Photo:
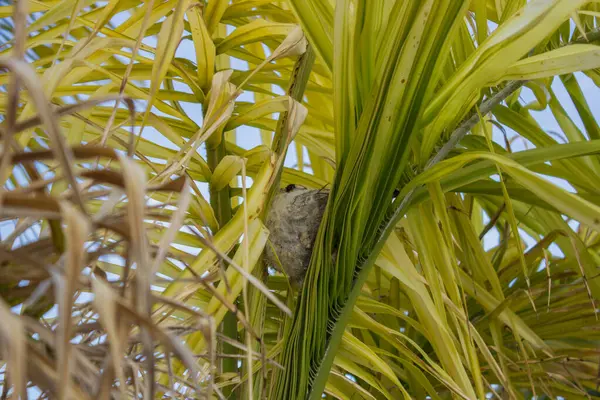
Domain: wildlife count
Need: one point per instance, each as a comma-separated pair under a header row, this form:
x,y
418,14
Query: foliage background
x,y
131,242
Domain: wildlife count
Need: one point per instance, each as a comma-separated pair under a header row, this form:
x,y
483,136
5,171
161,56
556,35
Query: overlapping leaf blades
x,y
346,241
442,312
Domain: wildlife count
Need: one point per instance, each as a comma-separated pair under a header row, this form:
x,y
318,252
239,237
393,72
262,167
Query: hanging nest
x,y
293,221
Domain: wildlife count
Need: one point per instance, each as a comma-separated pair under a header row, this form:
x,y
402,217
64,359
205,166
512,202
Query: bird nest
x,y
293,221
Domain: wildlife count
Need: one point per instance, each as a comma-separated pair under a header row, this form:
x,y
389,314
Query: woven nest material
x,y
293,221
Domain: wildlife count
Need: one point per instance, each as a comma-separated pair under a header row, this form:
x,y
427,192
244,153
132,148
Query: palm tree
x,y
455,142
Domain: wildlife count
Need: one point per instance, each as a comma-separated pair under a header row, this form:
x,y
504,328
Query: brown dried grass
x,y
70,330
